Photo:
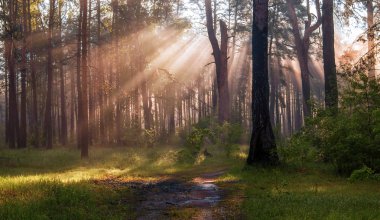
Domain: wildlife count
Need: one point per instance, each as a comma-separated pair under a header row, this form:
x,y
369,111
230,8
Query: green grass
x,y
311,192
57,184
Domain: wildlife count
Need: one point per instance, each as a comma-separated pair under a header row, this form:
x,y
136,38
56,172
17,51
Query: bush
x,y
209,132
364,173
298,151
193,144
349,137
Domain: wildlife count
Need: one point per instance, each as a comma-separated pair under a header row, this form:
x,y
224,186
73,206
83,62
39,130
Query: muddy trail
x,y
201,197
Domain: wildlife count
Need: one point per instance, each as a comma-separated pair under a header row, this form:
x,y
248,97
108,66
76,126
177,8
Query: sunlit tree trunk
x,y
100,76
371,42
262,145
288,108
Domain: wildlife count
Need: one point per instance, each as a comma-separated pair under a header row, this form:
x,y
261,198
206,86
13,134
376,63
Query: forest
x,y
189,109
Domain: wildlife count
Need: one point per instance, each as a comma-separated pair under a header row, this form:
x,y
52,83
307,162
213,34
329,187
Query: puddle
x,y
155,199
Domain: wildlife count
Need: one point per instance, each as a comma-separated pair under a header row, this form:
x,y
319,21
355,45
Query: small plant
x,y
364,173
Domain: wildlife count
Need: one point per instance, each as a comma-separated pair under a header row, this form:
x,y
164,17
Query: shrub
x,y
350,136
364,173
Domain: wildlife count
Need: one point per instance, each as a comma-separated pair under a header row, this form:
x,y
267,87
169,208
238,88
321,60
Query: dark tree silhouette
x,y
331,87
262,146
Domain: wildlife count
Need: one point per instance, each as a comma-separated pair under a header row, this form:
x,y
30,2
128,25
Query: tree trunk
x,y
302,48
220,57
79,79
100,77
13,112
33,82
147,113
63,127
262,146
331,87
371,42
84,147
48,112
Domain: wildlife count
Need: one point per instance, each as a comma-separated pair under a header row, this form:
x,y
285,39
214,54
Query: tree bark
x,y
63,127
371,42
23,134
48,111
79,79
302,44
331,86
85,133
33,82
220,57
262,145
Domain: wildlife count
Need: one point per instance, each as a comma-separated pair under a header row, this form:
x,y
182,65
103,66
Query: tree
x,y
63,129
220,57
331,87
302,43
22,137
84,110
48,110
262,146
10,58
371,39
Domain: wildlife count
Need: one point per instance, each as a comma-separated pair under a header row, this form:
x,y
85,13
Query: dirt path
x,y
199,198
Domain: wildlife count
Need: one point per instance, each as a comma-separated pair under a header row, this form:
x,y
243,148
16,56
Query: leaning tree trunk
x,y
220,57
262,146
331,87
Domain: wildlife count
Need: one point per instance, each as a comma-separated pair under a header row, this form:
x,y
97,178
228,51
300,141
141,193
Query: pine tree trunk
x,y
33,82
371,41
262,146
85,133
63,127
48,111
331,87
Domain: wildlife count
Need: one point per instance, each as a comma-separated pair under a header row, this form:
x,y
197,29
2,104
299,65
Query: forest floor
x,y
150,183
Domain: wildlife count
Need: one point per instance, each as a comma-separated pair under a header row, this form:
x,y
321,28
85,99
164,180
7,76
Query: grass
x,y
57,184
311,192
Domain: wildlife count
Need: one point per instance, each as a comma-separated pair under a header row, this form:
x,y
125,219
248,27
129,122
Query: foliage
x,y
298,151
208,132
348,137
193,144
364,173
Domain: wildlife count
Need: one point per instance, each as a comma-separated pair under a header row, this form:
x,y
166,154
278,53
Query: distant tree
x,y
84,110
371,38
262,146
48,107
